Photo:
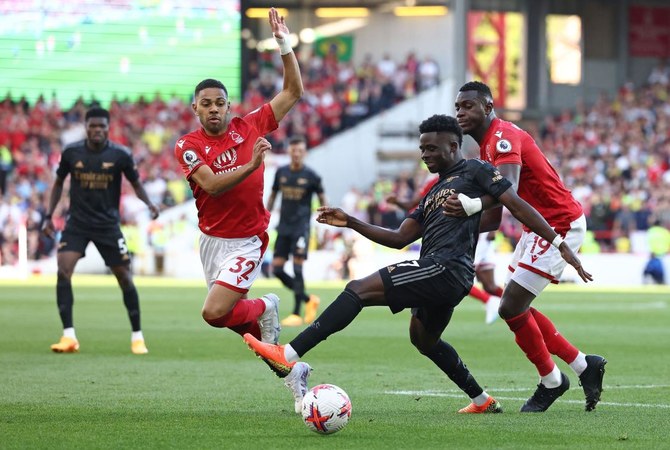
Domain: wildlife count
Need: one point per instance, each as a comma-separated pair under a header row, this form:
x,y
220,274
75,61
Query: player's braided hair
x,y
441,123
210,83
483,90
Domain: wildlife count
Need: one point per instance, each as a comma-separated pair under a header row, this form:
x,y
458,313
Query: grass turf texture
x,y
200,387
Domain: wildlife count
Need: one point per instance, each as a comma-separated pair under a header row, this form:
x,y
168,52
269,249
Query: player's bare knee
x,y
211,312
507,309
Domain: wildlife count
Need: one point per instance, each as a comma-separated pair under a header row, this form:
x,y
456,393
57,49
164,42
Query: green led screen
x,y
120,48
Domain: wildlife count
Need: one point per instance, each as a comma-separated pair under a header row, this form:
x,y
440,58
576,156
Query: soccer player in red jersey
x,y
223,162
536,262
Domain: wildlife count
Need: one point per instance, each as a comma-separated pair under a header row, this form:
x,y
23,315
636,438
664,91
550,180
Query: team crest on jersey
x,y
226,159
190,158
504,146
235,136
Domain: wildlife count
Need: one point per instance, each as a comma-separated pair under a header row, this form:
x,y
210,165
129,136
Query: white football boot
x,y
269,320
296,382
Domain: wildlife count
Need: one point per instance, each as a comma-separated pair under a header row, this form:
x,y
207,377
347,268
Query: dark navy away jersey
x,y
95,182
452,240
297,189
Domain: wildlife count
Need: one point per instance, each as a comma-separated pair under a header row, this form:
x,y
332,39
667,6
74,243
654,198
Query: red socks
x,y
529,338
480,295
243,318
555,342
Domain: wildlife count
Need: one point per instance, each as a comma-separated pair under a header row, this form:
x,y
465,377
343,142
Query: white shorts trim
x,y
233,263
536,262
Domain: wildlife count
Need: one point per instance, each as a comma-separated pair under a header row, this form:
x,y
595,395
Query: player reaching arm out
x,y
535,263
223,162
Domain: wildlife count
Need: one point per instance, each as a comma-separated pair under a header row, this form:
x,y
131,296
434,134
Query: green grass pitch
x,y
200,387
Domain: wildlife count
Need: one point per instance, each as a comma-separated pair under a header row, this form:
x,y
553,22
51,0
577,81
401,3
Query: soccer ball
x,y
326,409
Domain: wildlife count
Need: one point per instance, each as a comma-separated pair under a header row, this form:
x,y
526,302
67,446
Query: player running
x,y
223,162
297,184
536,261
433,285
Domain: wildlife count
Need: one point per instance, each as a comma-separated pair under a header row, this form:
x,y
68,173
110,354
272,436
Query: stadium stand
x,y
614,154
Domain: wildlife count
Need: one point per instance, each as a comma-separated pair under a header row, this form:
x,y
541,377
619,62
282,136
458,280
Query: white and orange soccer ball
x,y
326,409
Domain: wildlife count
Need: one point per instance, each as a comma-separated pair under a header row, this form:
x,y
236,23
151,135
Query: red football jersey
x,y
239,212
539,183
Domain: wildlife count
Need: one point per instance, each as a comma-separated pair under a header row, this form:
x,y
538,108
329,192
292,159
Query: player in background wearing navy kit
x,y
297,184
96,166
223,162
433,285
536,261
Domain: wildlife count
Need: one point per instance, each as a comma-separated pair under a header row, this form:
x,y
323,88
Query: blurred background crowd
x,y
614,154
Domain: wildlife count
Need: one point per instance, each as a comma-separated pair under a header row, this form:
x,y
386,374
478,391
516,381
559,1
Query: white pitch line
x,y
458,394
644,306
596,306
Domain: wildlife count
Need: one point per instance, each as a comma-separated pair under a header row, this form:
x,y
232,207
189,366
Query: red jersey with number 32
x,y
539,184
239,212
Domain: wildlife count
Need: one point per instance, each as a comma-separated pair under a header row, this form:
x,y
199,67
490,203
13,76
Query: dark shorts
x,y
427,287
291,244
110,243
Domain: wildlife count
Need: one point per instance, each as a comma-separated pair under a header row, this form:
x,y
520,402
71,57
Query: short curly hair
x,y
441,123
482,89
210,83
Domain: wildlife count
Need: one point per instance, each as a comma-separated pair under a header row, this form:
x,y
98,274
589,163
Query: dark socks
x,y
445,357
298,288
285,278
132,302
336,317
64,300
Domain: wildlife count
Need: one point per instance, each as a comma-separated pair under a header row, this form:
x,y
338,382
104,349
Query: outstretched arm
x,y
409,231
292,90
529,216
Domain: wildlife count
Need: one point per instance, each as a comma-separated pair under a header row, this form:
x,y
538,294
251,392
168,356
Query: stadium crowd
x,y
614,154
338,95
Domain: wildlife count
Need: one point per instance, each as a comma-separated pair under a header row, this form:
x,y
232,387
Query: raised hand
x,y
277,24
332,216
